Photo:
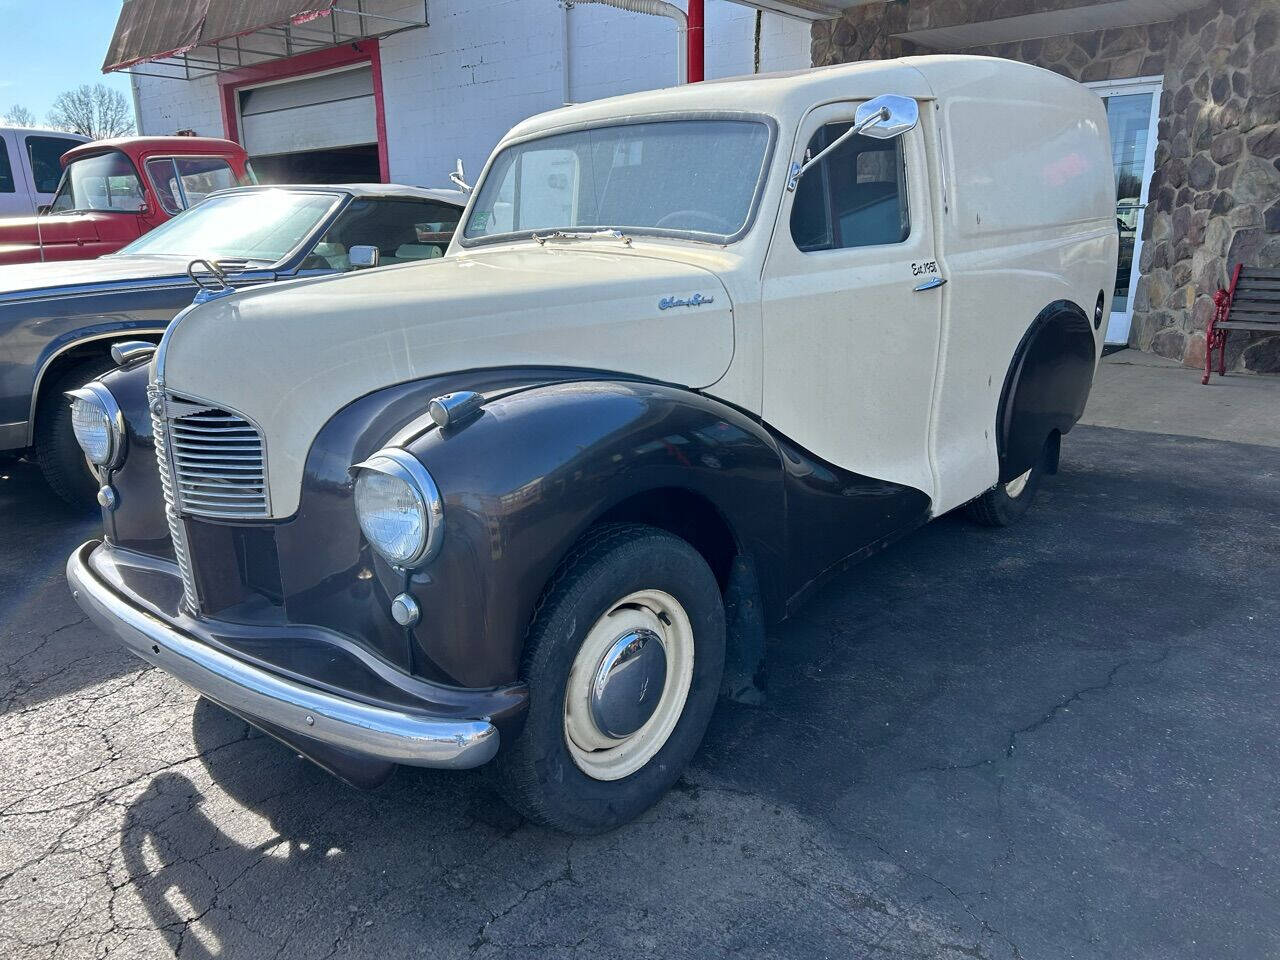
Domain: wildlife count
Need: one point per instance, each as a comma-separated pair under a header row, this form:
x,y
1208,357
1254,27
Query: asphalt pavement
x,y
1056,740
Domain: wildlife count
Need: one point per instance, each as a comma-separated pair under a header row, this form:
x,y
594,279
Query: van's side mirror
x,y
887,117
361,257
883,118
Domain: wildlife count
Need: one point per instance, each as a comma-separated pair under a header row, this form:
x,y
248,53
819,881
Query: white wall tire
x,y
568,770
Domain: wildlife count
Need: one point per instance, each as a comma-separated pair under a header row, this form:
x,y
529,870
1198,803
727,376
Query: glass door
x,y
1133,116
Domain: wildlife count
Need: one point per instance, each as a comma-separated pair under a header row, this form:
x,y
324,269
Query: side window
x,y
46,160
201,176
165,182
6,171
856,197
402,230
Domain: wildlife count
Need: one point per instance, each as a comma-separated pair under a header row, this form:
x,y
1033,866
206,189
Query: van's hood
x,y
29,280
290,357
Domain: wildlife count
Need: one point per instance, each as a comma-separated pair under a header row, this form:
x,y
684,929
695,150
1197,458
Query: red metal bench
x,y
1252,302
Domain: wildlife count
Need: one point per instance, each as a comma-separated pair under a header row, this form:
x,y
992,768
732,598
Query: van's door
x,y
852,303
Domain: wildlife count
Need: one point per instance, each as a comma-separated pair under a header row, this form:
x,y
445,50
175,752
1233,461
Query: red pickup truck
x,y
113,191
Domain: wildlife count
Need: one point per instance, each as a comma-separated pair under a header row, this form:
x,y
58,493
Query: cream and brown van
x,y
535,503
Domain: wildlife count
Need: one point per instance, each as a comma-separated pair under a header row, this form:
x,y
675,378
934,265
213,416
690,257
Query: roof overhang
x,y
198,38
1085,18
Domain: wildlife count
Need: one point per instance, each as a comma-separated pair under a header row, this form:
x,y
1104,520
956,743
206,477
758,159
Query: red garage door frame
x,y
364,51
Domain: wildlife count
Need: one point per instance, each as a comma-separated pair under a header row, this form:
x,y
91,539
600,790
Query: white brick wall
x,y
453,89
167,106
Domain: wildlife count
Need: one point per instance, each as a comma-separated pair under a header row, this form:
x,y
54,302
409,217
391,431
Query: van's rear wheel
x,y
623,661
61,460
1005,503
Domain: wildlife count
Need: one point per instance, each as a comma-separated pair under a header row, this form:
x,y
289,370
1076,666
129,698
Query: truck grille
x,y
177,534
219,464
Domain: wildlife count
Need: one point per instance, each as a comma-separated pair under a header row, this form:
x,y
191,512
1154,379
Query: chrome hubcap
x,y
1015,486
628,683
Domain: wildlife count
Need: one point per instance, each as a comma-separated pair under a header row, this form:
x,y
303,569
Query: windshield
x,y
106,181
696,178
262,225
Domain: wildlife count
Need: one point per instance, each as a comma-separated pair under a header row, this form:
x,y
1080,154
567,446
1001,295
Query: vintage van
x,y
535,503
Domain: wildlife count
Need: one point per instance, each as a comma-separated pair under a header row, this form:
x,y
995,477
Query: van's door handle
x,y
933,283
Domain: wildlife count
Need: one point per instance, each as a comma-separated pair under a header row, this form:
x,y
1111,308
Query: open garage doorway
x,y
318,128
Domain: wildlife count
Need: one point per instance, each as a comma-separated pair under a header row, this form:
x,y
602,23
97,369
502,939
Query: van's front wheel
x,y
623,661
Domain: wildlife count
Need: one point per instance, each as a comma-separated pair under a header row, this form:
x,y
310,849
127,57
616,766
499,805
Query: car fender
x,y
524,479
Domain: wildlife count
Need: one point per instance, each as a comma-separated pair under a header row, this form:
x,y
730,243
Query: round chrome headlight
x,y
98,424
399,507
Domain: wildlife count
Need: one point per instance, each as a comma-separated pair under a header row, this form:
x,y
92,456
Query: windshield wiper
x,y
606,234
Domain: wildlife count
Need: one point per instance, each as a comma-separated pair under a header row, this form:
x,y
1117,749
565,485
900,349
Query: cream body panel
x,y
290,360
1030,219
850,347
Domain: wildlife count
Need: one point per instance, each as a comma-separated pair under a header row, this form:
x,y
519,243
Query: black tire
x,y
61,460
997,508
536,771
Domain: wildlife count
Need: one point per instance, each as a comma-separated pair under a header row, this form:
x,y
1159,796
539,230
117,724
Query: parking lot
x,y
1056,740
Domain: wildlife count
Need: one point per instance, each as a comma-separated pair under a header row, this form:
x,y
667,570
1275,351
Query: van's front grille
x,y
219,463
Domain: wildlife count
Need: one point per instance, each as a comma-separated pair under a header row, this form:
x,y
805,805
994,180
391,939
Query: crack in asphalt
x,y
1045,718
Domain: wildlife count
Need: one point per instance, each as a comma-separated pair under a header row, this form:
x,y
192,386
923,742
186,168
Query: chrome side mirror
x,y
887,117
883,118
362,257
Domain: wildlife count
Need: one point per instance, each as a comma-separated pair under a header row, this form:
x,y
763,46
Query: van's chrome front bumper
x,y
381,733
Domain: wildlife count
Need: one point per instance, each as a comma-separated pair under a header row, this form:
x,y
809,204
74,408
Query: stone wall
x,y
1215,193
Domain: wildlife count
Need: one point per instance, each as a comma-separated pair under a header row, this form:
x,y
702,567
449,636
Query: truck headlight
x,y
98,424
399,507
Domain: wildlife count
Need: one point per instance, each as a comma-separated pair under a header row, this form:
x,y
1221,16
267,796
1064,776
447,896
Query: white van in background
x,y
30,167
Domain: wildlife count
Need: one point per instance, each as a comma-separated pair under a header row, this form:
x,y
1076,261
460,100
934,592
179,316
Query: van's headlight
x,y
399,507
98,424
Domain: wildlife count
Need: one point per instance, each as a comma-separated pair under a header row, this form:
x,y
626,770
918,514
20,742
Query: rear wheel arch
x,y
1046,386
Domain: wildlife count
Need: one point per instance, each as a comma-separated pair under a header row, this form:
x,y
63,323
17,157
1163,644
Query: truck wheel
x,y
61,460
623,661
1005,503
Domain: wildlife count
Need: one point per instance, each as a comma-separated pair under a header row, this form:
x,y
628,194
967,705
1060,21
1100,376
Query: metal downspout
x,y
659,8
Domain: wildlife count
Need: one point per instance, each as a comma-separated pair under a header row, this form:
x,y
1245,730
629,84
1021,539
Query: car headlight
x,y
98,424
399,507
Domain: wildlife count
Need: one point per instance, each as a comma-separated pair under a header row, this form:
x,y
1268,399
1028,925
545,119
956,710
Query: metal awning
x,y
197,38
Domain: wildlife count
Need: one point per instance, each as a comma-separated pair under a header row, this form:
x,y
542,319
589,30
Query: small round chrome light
x,y
98,424
399,508
405,610
107,498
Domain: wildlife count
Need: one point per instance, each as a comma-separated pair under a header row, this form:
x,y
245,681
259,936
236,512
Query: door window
x,y
46,160
165,181
402,230
6,171
201,176
855,197
182,182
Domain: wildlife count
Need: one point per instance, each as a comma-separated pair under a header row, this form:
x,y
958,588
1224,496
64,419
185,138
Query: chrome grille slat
x,y
180,458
